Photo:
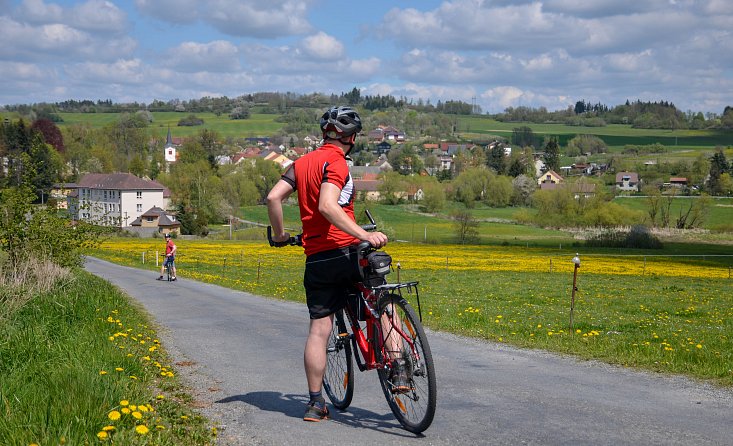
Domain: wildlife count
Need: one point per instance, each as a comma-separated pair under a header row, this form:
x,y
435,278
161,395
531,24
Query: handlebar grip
x,y
369,227
297,240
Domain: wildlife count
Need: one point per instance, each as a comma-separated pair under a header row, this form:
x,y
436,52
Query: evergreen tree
x,y
718,166
552,154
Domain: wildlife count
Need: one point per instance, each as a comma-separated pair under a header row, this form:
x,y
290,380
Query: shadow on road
x,y
294,405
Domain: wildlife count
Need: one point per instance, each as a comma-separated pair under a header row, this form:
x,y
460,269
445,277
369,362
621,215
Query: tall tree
x,y
523,136
718,166
497,159
51,133
552,154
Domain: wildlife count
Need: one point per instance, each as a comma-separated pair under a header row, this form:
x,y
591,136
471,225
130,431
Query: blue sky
x,y
503,53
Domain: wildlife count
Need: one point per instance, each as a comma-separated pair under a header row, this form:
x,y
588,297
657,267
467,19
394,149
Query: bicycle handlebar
x,y
292,241
298,239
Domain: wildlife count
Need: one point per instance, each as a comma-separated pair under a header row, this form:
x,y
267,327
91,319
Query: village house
x,y
156,220
627,181
283,161
679,182
115,199
549,177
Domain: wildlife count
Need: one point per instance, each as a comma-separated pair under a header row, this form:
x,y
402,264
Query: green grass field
x,y
404,223
720,212
256,125
615,135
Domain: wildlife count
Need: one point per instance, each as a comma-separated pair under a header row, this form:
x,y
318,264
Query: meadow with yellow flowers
x,y
669,314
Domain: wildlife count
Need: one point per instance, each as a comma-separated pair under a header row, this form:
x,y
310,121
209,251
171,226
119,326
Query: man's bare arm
x,y
279,193
328,206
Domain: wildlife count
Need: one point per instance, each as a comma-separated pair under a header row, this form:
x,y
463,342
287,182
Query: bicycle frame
x,y
369,298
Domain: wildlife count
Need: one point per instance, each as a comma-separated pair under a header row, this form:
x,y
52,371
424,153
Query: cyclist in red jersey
x,y
325,197
170,257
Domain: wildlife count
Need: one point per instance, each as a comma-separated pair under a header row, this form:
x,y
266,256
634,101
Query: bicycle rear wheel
x,y
414,408
339,378
168,271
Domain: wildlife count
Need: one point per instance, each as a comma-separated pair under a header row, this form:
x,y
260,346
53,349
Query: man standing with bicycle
x,y
325,197
170,257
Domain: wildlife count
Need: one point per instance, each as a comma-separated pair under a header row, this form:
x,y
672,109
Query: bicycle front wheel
x,y
339,378
410,389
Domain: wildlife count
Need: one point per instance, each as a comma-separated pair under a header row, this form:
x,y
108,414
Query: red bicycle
x,y
379,330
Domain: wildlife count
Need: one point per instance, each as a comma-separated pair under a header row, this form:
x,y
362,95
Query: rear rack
x,y
410,288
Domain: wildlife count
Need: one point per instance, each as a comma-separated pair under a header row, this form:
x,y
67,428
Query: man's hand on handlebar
x,y
281,239
284,240
376,239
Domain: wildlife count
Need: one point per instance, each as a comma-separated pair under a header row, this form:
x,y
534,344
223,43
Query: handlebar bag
x,y
379,262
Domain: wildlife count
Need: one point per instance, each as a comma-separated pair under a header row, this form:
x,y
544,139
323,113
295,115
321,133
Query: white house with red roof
x,y
115,199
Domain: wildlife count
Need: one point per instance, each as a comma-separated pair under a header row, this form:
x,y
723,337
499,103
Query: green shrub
x,y
31,231
638,237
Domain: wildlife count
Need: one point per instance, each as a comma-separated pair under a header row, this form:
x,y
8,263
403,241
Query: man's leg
x,y
314,357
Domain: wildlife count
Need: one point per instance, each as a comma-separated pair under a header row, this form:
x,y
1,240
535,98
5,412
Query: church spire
x,y
169,138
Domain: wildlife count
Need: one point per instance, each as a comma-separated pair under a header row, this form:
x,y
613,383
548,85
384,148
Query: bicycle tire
x,y
168,271
415,408
338,381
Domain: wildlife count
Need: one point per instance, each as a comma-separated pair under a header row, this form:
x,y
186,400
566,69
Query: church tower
x,y
170,149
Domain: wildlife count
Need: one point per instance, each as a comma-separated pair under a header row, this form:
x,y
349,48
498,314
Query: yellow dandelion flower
x,y
184,417
137,415
142,408
119,369
102,372
124,403
102,435
108,428
125,410
160,397
142,429
159,427
699,346
114,415
111,338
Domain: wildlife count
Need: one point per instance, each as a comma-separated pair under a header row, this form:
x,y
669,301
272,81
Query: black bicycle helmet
x,y
340,122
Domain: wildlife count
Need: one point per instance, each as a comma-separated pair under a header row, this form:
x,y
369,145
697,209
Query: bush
x,y
28,231
190,121
638,237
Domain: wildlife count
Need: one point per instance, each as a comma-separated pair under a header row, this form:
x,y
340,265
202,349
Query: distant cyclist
x,y
170,257
325,197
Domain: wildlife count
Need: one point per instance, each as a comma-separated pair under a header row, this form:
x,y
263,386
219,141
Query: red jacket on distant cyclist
x,y
170,257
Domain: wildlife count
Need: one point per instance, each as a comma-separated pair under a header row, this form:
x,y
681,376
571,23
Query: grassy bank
x,y
669,314
80,364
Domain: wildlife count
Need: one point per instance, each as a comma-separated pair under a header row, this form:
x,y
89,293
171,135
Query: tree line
x,y
638,114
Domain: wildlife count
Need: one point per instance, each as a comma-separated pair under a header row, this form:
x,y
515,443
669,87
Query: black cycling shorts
x,y
328,279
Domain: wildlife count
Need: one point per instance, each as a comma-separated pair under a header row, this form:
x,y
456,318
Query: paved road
x,y
242,355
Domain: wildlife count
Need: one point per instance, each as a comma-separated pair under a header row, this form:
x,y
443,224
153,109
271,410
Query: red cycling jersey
x,y
325,164
169,247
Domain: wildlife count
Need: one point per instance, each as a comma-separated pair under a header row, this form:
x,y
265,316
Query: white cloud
x,y
251,18
256,18
322,46
25,42
175,11
216,56
37,11
18,70
98,16
123,71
